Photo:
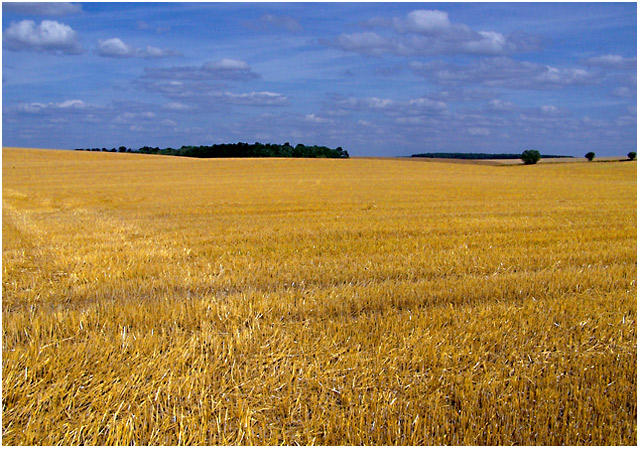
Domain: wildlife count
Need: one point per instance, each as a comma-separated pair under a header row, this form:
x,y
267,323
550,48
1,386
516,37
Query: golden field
x,y
165,300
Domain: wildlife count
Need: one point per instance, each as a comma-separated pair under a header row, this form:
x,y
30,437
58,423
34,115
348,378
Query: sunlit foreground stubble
x,y
164,300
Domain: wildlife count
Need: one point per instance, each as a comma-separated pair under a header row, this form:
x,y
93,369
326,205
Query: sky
x,y
377,79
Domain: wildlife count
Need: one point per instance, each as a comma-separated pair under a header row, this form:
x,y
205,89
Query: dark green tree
x,y
530,157
632,155
590,155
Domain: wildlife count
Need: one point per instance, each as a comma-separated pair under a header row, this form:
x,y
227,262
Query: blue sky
x,y
378,79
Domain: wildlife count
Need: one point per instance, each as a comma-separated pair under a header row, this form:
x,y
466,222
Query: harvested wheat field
x,y
165,300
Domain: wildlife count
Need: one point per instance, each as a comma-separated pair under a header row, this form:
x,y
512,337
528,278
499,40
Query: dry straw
x,y
159,300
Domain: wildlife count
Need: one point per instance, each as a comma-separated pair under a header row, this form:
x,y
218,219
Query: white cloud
x,y
367,103
142,25
226,65
569,76
191,87
134,117
49,36
490,43
76,104
545,113
264,98
225,68
155,52
42,8
315,119
500,105
427,21
116,48
271,22
429,32
200,95
624,92
413,106
410,120
505,72
35,107
378,103
31,108
176,106
462,94
611,62
549,110
366,42
478,131
425,103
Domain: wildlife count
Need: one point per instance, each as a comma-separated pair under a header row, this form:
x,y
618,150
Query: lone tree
x,y
632,155
530,156
590,155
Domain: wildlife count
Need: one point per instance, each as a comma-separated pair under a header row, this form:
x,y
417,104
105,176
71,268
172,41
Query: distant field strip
x,y
161,300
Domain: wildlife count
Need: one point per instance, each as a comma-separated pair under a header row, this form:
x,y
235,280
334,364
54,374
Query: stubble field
x,y
165,300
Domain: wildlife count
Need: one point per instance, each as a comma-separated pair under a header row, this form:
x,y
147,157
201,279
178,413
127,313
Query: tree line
x,y
240,149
